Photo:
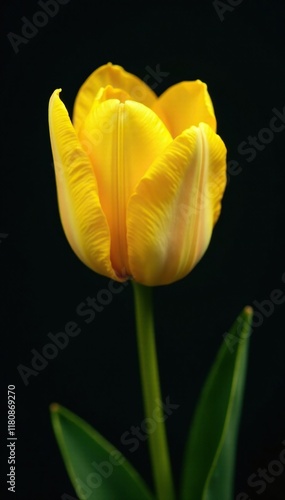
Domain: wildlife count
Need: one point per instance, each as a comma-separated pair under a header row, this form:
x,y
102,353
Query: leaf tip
x,y
54,407
248,310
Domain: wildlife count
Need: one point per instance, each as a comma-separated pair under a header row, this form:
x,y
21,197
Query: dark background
x,y
242,60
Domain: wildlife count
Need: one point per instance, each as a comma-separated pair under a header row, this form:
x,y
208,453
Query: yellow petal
x,y
115,76
82,217
170,217
183,105
110,92
122,140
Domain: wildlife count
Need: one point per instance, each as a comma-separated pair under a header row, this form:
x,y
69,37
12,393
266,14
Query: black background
x,y
242,60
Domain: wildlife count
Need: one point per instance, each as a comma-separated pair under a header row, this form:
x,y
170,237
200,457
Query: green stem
x,y
151,393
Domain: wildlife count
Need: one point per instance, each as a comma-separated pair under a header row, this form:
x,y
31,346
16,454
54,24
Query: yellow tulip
x,y
139,178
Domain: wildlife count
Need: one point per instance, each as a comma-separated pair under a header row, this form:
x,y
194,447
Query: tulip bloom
x,y
139,178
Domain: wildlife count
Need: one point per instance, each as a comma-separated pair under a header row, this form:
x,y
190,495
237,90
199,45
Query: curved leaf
x,y
208,471
97,470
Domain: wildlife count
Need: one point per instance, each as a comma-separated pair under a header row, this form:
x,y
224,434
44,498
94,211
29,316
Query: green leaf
x,y
97,470
208,470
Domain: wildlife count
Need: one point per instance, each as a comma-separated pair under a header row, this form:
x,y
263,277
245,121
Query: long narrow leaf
x,y
208,470
96,469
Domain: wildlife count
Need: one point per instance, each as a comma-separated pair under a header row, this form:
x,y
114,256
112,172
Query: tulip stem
x,y
154,412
